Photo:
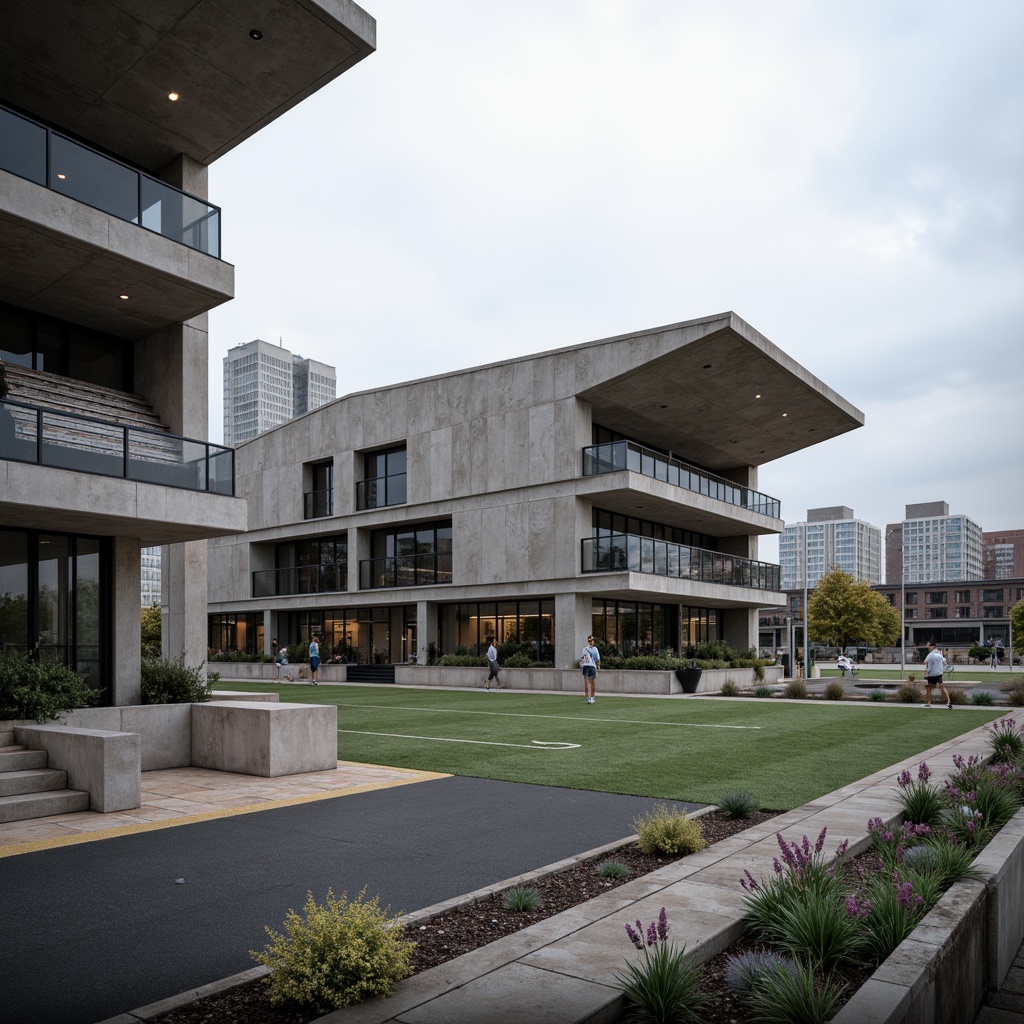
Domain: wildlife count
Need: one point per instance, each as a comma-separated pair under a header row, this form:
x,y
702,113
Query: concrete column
x,y
358,551
269,631
184,602
426,629
125,674
574,619
739,627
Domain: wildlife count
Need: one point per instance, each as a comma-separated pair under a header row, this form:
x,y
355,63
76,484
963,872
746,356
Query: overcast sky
x,y
502,179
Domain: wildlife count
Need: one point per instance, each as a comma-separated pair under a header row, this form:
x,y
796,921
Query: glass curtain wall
x,y
54,599
360,636
468,627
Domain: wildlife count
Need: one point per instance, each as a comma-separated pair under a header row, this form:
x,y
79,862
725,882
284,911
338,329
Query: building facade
x,y
110,257
957,612
591,489
266,385
934,546
1002,554
830,537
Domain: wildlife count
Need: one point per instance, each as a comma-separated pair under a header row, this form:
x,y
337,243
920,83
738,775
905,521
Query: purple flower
x,y
748,881
923,772
652,934
903,780
636,939
821,840
663,925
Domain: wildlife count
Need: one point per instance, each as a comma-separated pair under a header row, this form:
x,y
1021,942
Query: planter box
x,y
689,678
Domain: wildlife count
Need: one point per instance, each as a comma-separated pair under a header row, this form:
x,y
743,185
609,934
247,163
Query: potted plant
x,y
689,678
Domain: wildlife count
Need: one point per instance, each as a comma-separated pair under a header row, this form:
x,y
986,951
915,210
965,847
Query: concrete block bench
x,y
106,765
265,739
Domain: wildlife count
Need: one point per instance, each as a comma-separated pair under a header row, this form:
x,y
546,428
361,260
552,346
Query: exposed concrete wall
x,y
184,583
126,681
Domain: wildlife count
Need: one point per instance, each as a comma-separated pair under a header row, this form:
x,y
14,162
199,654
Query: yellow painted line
x,y
73,839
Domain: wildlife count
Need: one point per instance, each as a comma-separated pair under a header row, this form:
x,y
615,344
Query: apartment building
x,y
1002,554
266,385
609,487
930,545
111,254
830,537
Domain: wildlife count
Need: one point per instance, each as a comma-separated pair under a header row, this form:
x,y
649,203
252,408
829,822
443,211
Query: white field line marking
x,y
559,718
532,745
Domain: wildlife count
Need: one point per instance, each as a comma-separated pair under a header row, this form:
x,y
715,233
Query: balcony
x,y
622,552
619,455
406,570
83,444
303,579
33,151
381,491
317,504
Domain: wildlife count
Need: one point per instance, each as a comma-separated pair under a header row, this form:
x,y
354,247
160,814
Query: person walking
x,y
590,662
314,659
933,666
492,663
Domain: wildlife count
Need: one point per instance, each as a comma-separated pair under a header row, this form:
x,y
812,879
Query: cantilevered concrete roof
x,y
714,390
103,69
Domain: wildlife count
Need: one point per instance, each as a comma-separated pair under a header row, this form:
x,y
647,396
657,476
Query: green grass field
x,y
784,754
995,680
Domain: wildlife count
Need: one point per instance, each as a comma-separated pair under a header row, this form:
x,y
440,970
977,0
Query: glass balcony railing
x,y
381,491
619,455
303,579
621,552
63,440
33,151
406,570
317,504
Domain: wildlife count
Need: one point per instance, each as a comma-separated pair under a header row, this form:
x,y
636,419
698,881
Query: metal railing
x,y
406,570
380,491
64,440
618,455
302,579
317,504
40,154
622,552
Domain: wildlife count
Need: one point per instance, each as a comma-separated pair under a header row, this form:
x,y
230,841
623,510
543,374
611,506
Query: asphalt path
x,y
96,929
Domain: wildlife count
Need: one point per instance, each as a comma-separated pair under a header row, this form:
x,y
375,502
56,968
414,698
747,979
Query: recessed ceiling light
x,y
785,414
173,97
255,33
122,296
757,396
62,177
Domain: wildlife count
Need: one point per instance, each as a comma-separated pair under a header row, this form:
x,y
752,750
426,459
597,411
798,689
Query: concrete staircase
x,y
28,788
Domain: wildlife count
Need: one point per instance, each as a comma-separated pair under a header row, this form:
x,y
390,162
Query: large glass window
x,y
992,594
467,627
319,500
52,604
316,565
408,556
630,628
384,479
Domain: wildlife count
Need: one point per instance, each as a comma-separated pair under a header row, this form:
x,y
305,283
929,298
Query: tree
x,y
151,631
1017,621
843,611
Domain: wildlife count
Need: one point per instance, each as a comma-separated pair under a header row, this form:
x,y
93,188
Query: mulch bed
x,y
459,931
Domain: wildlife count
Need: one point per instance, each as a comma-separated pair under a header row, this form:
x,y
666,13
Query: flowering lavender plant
x,y
662,985
888,910
921,802
891,844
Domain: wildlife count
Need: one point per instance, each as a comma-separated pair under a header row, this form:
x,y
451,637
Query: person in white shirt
x,y
492,663
590,662
934,664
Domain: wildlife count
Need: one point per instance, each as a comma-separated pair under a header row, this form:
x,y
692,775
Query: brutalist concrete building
x,y
609,487
111,254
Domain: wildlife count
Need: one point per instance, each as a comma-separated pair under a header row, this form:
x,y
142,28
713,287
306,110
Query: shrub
x,y
911,677
517,660
983,698
339,953
730,689
40,690
522,898
298,653
1015,696
796,689
668,831
942,860
1006,740
664,987
612,869
172,682
922,804
819,931
762,691
835,691
737,804
792,997
744,970
957,694
878,695
908,693
463,660
890,911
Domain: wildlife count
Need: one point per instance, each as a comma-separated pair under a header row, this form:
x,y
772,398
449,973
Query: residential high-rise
x,y
1002,554
111,256
266,385
151,576
833,537
931,546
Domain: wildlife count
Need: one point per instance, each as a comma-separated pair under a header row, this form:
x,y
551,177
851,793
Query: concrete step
x,y
33,780
6,738
41,805
20,759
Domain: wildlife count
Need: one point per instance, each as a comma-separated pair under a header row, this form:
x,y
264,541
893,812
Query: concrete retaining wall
x,y
962,947
165,730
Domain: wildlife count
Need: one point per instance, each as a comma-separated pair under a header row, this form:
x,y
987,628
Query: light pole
x,y
807,636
